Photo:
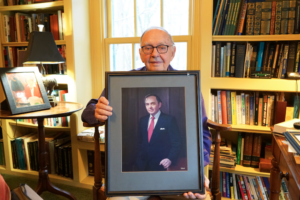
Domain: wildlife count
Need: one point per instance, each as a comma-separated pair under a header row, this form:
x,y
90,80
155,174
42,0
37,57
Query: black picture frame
x,y
293,140
123,89
24,89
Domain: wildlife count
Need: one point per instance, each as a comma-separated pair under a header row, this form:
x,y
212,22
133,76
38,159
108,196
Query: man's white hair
x,y
157,28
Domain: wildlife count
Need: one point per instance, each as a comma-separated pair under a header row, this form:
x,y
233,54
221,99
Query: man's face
x,y
152,105
156,61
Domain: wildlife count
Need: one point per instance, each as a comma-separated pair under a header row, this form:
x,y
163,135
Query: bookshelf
x,y
76,80
236,84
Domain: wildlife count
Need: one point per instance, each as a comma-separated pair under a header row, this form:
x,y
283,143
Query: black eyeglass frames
x,y
148,49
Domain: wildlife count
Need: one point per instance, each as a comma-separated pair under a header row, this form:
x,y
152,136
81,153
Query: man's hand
x,y
166,163
103,110
191,195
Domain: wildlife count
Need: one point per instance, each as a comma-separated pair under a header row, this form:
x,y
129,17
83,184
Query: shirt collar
x,y
156,116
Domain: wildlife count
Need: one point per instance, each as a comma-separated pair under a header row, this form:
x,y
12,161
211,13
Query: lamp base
x,y
52,101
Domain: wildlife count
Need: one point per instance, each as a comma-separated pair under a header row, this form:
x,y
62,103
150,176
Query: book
x,y
239,147
248,149
240,58
228,104
224,107
233,107
285,126
256,149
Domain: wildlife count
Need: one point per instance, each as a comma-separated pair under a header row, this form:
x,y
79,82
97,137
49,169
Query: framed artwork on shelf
x,y
154,138
24,89
294,139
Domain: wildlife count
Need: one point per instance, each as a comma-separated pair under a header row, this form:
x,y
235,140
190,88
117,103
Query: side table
x,y
61,110
284,166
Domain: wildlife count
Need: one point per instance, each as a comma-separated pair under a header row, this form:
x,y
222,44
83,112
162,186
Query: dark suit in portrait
x,y
165,143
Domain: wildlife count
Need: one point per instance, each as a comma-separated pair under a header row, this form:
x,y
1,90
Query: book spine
x,y
266,13
260,111
243,108
213,107
251,110
273,14
297,18
228,59
250,18
224,185
256,108
261,187
284,17
228,104
238,109
232,62
284,61
247,185
218,57
247,109
224,107
248,149
296,67
258,7
227,185
242,18
233,107
256,151
278,17
292,15
219,106
260,56
236,14
240,58
213,61
265,107
238,160
264,187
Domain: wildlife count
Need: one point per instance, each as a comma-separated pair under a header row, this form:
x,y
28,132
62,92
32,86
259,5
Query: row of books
x,y
91,163
15,56
270,59
60,95
17,27
21,2
25,153
256,17
235,186
2,157
250,108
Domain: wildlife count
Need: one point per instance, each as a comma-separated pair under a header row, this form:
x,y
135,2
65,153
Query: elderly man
x,y
156,52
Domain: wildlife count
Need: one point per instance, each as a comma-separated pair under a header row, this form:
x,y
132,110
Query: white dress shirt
x,y
156,116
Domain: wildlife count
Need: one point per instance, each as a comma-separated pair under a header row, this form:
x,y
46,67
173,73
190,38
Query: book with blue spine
x,y
284,60
224,61
243,108
228,104
267,184
219,107
215,15
228,59
219,16
224,18
227,185
221,61
251,102
260,56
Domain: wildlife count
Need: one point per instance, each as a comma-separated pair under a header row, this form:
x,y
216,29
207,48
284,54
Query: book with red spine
x,y
224,185
240,186
247,187
273,14
224,107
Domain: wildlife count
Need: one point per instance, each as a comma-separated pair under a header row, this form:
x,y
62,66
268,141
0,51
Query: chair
x,y
98,194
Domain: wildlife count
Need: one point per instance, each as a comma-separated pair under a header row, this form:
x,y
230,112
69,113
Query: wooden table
x,y
61,110
284,166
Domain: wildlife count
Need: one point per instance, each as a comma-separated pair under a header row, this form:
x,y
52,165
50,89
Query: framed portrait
x,y
294,139
154,138
24,89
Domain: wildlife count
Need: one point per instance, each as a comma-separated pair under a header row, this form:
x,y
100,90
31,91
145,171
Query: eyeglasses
x,y
148,49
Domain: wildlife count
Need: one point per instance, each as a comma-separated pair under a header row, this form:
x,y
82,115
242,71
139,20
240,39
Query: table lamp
x,y
42,49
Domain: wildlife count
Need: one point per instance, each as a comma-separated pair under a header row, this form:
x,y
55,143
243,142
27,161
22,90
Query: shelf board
x,y
248,171
89,180
251,128
2,167
25,44
255,38
28,125
35,6
89,145
252,84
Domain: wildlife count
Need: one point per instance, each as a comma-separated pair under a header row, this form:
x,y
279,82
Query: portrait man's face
x,y
152,105
156,61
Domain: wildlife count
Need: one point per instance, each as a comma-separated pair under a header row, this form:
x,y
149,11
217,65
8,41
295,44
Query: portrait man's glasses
x,y
148,49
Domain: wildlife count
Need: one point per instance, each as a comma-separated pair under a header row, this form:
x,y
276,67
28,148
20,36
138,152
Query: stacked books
x,y
227,154
88,135
256,17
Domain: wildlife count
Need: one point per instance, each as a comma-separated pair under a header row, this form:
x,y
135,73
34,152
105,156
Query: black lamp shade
x,y
42,49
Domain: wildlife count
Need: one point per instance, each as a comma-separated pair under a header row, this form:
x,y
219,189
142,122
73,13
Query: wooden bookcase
x,y
77,81
209,83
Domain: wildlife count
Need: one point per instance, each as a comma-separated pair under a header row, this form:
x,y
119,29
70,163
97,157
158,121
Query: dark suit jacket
x,y
165,143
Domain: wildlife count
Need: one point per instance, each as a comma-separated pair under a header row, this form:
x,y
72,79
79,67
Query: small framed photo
x,y
294,139
154,138
24,89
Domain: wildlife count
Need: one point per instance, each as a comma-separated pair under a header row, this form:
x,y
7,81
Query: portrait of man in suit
x,y
159,141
